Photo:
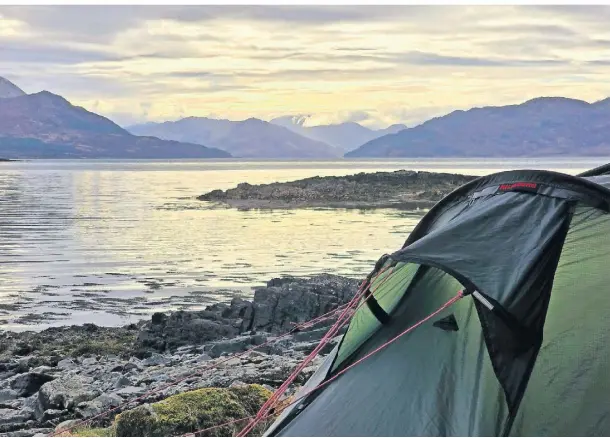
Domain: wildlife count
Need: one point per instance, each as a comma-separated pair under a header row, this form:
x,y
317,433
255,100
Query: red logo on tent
x,y
519,186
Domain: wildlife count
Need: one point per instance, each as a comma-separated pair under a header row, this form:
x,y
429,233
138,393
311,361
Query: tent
x,y
525,352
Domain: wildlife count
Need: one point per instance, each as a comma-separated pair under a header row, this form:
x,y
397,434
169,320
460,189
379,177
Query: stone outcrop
x,y
275,308
401,189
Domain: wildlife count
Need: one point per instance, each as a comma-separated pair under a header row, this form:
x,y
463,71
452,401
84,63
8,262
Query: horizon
x,y
375,66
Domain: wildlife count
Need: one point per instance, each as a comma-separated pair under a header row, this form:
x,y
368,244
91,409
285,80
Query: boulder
x,y
29,383
98,405
66,392
156,360
130,391
66,365
33,403
122,382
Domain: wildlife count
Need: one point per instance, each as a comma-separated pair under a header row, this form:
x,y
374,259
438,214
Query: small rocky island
x,y
51,380
402,189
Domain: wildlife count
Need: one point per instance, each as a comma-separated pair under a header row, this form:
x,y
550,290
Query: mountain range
x,y
546,126
251,138
346,136
45,125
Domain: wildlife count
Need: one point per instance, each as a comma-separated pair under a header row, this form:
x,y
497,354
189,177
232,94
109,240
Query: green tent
x,y
525,352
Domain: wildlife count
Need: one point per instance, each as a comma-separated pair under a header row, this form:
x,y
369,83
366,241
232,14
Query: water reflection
x,y
109,241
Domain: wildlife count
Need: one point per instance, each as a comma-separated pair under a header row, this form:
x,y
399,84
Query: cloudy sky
x,y
374,65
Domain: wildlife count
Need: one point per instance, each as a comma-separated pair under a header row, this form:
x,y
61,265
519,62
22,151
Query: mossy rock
x,y
195,410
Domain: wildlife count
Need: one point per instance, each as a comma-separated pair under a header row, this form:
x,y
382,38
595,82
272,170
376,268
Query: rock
x,y
235,345
66,365
43,369
98,405
66,392
127,366
122,382
155,360
29,383
89,361
11,416
186,349
6,375
7,394
130,391
66,425
33,403
182,328
193,410
310,335
203,358
53,414
237,383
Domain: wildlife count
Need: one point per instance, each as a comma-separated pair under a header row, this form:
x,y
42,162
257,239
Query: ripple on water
x,y
125,229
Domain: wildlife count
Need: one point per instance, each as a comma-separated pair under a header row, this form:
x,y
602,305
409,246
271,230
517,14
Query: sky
x,y
368,64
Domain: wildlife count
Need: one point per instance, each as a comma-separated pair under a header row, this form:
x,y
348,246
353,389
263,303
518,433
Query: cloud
x,y
376,65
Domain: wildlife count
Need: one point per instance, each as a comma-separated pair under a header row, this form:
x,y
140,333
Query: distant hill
x,y
251,138
8,89
45,125
545,126
346,136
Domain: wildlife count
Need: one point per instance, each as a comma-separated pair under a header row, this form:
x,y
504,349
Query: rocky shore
x,y
402,189
52,379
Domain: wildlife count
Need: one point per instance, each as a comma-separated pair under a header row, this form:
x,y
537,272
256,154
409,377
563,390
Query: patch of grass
x,y
95,431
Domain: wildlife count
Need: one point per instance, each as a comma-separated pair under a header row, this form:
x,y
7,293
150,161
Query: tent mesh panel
x,y
567,394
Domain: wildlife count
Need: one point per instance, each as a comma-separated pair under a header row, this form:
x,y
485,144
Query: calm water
x,y
109,241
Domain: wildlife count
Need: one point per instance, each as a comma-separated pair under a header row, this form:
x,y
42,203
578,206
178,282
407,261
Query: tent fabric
x,y
568,391
534,244
380,397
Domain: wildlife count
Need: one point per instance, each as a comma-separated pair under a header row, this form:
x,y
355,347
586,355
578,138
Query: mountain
x,y
392,129
346,136
543,126
45,125
8,89
251,138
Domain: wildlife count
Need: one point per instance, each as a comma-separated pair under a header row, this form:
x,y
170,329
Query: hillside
x,y
251,138
346,136
45,125
539,127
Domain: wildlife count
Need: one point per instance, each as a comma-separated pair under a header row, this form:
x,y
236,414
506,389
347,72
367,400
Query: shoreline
x,y
74,372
